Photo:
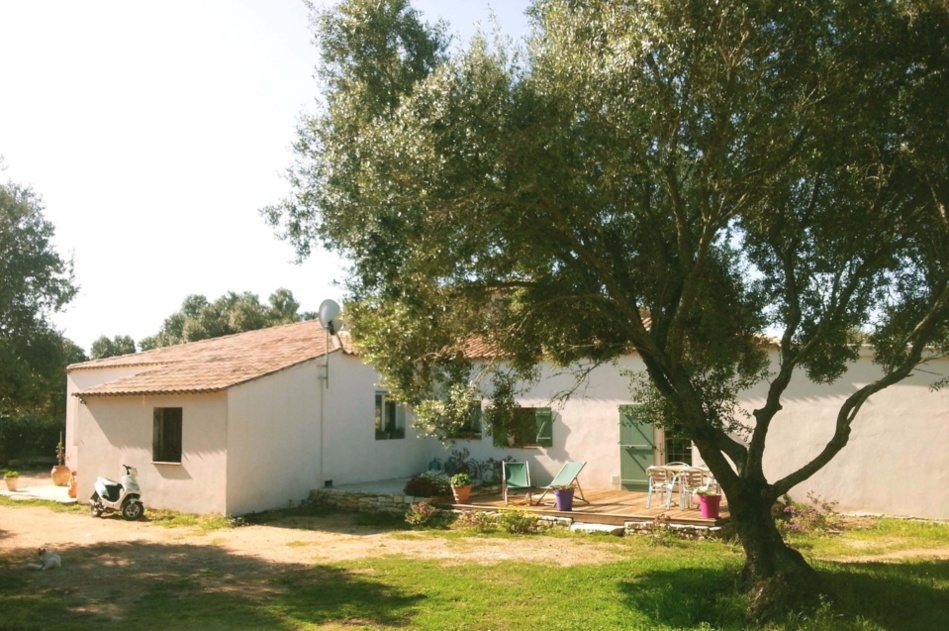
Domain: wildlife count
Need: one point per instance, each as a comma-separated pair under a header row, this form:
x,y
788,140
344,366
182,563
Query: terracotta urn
x,y
60,475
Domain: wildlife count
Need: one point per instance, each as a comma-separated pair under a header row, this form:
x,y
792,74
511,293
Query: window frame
x,y
474,429
534,429
384,409
167,435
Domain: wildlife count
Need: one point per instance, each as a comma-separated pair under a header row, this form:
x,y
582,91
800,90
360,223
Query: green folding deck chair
x,y
567,475
515,475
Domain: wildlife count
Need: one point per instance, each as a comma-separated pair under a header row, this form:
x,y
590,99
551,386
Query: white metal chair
x,y
661,480
691,480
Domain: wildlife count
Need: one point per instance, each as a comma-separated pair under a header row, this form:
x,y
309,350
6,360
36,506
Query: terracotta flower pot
x,y
461,493
12,483
73,484
60,475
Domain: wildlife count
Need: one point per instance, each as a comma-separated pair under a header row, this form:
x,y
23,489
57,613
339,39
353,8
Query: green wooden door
x,y
637,449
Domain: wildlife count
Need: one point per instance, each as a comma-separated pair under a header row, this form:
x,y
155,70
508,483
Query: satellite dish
x,y
329,316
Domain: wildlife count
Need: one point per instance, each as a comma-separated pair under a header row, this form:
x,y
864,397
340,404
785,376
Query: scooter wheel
x,y
133,510
94,508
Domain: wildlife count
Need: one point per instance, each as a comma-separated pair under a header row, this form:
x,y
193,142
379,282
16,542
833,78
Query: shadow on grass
x,y
328,519
161,586
910,596
688,597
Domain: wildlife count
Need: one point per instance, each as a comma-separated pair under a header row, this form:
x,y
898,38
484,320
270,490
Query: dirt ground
x,y
304,540
109,562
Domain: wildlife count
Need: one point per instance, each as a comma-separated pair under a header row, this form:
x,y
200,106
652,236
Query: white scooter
x,y
111,496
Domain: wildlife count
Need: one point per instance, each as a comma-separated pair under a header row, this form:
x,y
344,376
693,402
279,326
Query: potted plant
x,y
60,473
12,478
709,502
563,495
461,487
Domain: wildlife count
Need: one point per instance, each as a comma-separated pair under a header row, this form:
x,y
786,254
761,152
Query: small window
x,y
531,427
390,418
472,428
166,435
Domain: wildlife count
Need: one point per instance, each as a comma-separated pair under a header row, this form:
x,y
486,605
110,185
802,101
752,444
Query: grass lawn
x,y
683,585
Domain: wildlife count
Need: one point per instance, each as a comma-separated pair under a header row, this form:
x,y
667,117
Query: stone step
x,y
598,528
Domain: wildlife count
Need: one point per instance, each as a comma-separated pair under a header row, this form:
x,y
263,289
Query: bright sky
x,y
155,131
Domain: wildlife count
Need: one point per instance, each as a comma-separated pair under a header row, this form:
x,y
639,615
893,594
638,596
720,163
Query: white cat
x,y
47,560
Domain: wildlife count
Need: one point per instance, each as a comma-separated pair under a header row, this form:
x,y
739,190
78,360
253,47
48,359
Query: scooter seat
x,y
112,490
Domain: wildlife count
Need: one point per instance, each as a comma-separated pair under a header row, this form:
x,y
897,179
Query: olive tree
x,y
705,178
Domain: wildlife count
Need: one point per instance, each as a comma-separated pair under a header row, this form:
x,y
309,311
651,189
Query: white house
x,y
237,424
896,463
252,421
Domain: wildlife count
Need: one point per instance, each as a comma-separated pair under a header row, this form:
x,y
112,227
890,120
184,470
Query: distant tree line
x,y
37,282
200,319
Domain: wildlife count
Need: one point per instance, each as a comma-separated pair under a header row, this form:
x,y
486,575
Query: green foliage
x,y
446,418
518,522
11,474
420,514
37,282
478,521
119,345
29,437
818,516
428,484
232,313
460,479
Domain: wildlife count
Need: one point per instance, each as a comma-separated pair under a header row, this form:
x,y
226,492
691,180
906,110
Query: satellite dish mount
x,y
329,320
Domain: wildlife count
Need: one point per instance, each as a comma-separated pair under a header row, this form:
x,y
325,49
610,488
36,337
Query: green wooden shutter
x,y
544,419
637,448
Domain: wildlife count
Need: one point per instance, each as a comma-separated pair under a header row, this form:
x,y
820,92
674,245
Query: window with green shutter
x,y
544,421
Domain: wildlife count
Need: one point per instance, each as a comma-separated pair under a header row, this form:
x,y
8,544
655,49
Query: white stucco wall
x,y
353,454
259,445
896,462
79,380
118,430
273,439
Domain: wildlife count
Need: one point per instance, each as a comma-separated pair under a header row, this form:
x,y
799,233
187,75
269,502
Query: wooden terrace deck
x,y
605,507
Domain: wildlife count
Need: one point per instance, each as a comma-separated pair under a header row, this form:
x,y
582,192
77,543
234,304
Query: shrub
x,y
428,484
659,533
424,515
26,438
479,521
518,522
817,517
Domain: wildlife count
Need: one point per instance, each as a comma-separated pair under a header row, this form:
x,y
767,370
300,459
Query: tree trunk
x,y
777,578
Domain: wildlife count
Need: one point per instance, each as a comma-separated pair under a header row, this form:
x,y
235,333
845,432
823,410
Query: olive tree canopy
x,y
684,179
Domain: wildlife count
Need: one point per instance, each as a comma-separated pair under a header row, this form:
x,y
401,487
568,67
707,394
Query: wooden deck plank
x,y
604,507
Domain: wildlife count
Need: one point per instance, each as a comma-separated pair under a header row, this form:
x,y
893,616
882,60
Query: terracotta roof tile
x,y
218,363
